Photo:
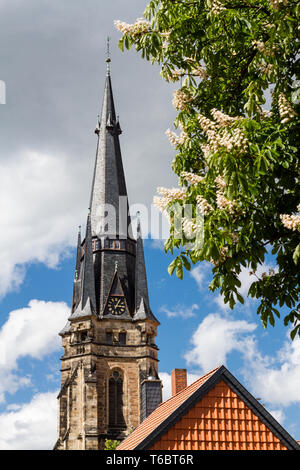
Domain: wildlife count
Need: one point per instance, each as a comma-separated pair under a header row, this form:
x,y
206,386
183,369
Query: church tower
x,y
109,369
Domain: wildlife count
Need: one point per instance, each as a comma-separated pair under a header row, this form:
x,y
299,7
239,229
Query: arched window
x,y
115,385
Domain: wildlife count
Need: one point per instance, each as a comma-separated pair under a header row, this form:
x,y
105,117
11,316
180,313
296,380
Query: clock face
x,y
116,305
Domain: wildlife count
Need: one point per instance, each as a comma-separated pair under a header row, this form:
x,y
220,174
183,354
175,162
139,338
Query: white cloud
x,y
31,331
219,300
180,311
166,381
200,274
31,426
40,208
278,415
215,338
277,379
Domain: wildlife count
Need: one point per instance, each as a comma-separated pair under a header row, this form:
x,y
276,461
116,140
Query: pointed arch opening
x,y
115,407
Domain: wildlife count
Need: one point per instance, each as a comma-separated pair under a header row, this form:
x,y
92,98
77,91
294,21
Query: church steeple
x,y
109,373
109,193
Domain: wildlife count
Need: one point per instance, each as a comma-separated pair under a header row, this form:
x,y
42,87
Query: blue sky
x,y
54,85
196,333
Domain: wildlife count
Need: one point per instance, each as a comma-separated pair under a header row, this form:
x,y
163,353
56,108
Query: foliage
x,y
111,444
229,57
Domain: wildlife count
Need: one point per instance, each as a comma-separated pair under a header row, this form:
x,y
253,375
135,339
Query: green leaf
x,y
294,332
172,266
186,263
179,272
296,254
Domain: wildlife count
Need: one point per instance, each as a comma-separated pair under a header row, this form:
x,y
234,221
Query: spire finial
x,y
108,60
97,129
138,226
116,265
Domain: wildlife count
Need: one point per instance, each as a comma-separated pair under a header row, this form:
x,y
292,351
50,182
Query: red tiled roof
x,y
162,413
220,420
214,413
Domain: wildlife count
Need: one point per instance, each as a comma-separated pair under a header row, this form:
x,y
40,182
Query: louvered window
x,y
109,337
122,338
116,417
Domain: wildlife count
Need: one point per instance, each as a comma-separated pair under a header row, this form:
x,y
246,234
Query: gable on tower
x,y
116,304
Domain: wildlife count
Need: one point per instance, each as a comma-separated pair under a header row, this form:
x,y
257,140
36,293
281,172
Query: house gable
x,y
219,421
212,403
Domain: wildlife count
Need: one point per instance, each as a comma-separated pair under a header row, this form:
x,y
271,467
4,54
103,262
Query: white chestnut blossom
x,y
266,68
204,205
176,140
221,137
276,3
220,182
189,227
223,119
263,47
141,26
265,113
291,222
223,256
217,7
191,177
205,149
259,45
222,202
285,109
225,204
181,99
200,71
168,196
172,194
161,203
206,123
175,75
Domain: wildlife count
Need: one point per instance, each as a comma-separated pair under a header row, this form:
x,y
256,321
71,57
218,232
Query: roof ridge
x,y
192,384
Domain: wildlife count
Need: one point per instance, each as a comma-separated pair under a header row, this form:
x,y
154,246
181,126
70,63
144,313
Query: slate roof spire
x,y
142,306
108,180
87,304
77,281
78,255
